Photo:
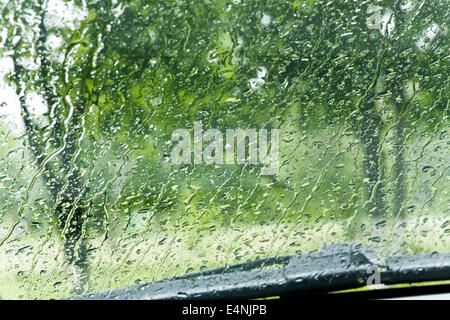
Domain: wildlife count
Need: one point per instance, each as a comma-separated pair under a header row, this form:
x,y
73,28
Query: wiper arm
x,y
335,267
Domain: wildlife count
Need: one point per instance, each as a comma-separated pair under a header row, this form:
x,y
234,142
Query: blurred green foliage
x,y
362,113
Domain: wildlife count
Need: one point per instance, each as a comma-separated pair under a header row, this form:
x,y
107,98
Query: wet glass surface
x,y
93,92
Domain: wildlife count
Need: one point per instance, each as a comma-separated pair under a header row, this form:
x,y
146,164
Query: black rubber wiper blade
x,y
335,267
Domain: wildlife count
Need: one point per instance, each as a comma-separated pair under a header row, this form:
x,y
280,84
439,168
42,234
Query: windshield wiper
x,y
335,267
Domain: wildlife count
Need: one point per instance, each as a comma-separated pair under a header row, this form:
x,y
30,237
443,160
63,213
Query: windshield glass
x,y
142,140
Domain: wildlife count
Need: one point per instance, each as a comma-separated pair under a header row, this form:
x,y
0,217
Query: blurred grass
x,y
133,259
